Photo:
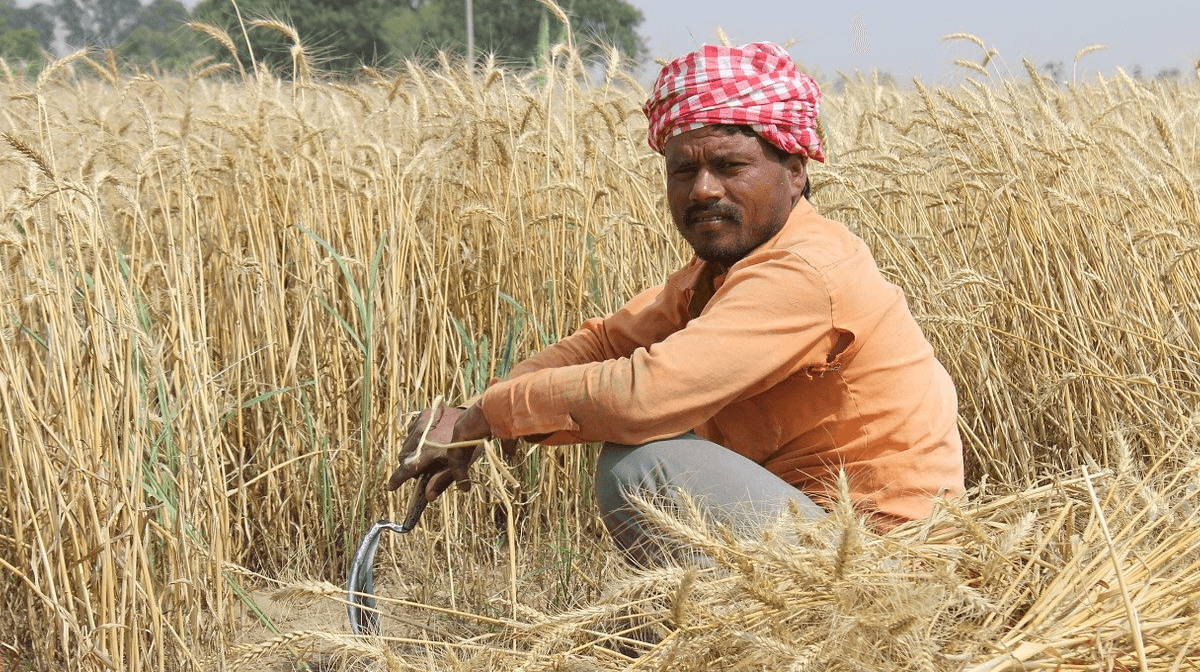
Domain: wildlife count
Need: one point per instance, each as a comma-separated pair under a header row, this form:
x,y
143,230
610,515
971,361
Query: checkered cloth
x,y
756,85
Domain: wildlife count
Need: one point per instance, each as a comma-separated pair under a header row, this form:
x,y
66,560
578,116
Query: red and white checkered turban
x,y
756,85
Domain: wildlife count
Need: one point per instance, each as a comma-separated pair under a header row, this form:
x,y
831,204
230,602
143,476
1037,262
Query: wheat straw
x,y
216,325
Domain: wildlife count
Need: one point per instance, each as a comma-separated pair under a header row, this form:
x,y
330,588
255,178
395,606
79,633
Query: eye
x,y
730,168
683,172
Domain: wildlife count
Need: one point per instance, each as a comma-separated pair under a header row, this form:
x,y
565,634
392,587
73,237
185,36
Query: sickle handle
x,y
417,507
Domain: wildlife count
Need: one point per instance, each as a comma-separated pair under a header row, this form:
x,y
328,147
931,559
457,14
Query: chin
x,y
722,258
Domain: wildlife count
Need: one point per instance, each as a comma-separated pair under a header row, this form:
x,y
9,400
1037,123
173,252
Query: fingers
x,y
436,412
416,430
408,451
458,464
438,484
436,425
415,457
399,476
409,469
412,442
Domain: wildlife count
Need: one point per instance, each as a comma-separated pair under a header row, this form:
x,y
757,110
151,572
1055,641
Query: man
x,y
773,360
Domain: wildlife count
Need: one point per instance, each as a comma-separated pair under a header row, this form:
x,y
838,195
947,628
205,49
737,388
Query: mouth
x,y
711,219
707,222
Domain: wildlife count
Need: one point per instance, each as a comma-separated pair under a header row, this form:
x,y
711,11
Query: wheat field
x,y
224,293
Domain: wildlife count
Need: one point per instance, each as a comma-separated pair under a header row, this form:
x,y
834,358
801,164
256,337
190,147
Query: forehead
x,y
710,141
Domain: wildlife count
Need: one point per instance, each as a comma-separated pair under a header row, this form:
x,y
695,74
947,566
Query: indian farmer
x,y
777,357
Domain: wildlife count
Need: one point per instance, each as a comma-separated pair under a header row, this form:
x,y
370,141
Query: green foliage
x,y
168,50
421,31
24,31
517,31
97,22
163,15
608,22
141,35
346,34
22,44
160,38
343,34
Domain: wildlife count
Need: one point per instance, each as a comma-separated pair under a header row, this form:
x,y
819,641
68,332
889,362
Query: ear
x,y
796,166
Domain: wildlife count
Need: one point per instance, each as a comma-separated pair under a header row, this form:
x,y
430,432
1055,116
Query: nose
x,y
706,187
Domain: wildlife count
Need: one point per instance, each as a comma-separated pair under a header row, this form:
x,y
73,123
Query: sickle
x,y
360,588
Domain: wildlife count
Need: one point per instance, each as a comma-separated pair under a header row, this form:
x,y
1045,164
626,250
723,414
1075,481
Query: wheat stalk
x,y
192,384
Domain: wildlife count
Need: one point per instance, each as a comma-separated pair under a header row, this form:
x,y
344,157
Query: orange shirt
x,y
801,357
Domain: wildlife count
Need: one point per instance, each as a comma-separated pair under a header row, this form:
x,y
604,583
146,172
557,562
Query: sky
x,y
905,38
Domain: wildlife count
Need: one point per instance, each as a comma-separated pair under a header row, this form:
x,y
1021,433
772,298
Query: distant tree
x,y
344,33
164,15
1168,74
22,45
140,34
25,31
424,29
160,38
1056,71
610,21
515,30
347,33
102,23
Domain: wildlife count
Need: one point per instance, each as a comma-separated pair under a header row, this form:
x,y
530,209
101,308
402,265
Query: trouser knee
x,y
720,484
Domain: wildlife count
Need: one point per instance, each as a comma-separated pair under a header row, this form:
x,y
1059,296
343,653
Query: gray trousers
x,y
726,487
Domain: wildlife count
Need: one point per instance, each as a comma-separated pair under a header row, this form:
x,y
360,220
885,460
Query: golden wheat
x,y
222,299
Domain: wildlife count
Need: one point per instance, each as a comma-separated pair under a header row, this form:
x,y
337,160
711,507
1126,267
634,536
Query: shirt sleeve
x,y
646,318
769,320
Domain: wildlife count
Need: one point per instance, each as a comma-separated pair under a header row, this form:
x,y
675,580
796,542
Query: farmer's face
x,y
729,193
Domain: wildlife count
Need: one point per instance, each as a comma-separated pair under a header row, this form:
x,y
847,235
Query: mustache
x,y
698,211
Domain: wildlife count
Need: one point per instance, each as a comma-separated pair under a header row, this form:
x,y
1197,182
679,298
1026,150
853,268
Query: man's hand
x,y
471,425
446,426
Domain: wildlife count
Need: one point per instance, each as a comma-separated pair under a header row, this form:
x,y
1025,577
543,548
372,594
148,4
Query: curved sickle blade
x,y
360,587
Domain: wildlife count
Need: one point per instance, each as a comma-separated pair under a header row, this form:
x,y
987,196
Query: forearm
x,y
646,318
578,348
581,347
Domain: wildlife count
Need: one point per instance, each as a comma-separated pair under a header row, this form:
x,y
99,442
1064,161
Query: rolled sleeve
x,y
769,320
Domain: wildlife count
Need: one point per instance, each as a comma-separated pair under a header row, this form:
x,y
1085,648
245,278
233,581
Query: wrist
x,y
472,425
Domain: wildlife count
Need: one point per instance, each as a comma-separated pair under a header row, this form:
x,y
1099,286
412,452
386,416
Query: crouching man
x,y
774,359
